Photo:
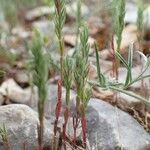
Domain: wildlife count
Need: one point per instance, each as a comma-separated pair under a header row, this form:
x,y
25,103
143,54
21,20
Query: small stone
x,y
47,28
71,40
21,33
14,92
71,10
106,95
21,77
4,27
39,12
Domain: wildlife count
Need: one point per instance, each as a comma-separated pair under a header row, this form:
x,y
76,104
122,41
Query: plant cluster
x,y
68,79
80,76
72,69
75,70
129,81
40,77
60,16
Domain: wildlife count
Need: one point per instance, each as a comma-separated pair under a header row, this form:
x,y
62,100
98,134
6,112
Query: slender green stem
x,y
100,75
61,46
98,64
130,94
67,96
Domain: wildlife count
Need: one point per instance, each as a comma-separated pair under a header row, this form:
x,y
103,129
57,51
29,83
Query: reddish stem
x,y
59,100
57,110
66,117
41,126
75,126
7,146
84,129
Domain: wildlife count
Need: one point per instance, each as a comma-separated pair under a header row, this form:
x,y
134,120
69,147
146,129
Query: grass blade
x,y
101,77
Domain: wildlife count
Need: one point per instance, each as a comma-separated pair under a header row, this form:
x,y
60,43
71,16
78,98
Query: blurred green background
x,y
12,10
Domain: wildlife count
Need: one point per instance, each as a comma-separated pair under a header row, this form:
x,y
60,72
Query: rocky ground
x,y
115,121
